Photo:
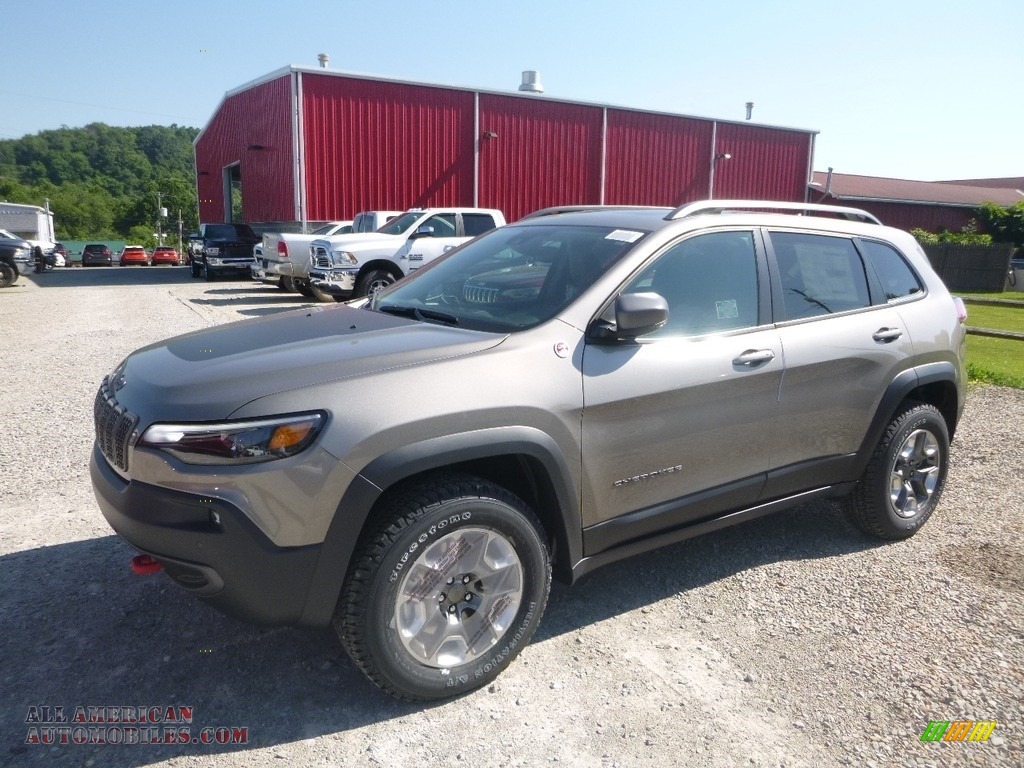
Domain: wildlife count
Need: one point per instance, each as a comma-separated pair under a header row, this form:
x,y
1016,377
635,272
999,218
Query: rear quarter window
x,y
897,278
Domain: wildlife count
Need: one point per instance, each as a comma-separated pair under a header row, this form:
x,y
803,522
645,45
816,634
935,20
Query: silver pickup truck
x,y
284,257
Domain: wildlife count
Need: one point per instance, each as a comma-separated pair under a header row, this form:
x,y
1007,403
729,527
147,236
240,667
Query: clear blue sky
x,y
919,89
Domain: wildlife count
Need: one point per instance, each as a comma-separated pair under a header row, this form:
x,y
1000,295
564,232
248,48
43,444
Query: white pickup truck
x,y
283,259
349,266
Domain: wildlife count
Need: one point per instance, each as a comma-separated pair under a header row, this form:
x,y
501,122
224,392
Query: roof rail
x,y
560,209
725,206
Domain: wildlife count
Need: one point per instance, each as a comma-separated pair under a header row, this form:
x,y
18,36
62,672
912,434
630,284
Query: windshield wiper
x,y
423,315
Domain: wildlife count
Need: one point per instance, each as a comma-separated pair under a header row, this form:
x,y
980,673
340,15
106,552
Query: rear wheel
x,y
447,591
321,295
904,479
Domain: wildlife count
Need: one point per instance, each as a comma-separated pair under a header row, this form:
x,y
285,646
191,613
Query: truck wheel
x,y
303,287
210,275
8,275
905,477
447,591
321,295
196,270
373,281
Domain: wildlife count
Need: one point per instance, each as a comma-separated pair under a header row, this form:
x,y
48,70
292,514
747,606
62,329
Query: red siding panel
x,y
545,153
655,159
766,163
257,116
374,145
931,218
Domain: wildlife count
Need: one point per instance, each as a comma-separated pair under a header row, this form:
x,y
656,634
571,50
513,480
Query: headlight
x,y
235,442
213,262
343,259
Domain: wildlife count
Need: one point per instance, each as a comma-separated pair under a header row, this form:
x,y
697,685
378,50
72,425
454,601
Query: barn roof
x,y
967,194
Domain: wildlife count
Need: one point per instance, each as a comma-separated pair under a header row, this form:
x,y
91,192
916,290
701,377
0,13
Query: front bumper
x,y
338,282
208,546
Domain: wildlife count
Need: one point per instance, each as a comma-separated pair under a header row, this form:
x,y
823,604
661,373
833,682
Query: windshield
x,y
230,231
511,278
399,224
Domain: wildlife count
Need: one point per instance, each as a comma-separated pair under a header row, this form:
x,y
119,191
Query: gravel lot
x,y
787,641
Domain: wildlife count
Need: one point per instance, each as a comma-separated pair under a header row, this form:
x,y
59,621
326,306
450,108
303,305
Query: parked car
x,y
134,254
613,381
96,255
165,254
60,256
221,249
15,259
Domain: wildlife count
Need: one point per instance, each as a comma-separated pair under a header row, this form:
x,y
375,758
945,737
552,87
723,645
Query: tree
x,y
1005,224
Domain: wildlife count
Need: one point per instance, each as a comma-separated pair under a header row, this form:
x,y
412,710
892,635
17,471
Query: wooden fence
x,y
971,268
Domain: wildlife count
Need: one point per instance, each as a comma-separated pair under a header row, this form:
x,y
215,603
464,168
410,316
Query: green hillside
x,y
101,181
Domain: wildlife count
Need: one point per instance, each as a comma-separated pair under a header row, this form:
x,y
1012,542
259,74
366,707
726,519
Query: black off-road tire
x,y
373,281
420,575
211,275
196,269
8,275
904,479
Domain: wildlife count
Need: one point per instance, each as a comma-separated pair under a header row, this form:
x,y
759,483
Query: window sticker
x,y
727,310
625,235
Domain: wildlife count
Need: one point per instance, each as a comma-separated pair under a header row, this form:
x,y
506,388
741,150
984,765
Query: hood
x,y
209,374
357,241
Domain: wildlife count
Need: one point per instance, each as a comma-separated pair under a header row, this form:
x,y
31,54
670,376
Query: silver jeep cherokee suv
x,y
575,388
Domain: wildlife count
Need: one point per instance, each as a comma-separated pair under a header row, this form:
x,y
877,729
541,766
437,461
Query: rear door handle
x,y
754,357
887,334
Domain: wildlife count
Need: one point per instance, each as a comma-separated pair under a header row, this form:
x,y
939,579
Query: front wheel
x,y
904,479
373,281
8,275
196,269
447,591
210,275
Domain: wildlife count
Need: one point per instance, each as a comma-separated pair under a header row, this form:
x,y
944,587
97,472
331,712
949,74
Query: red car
x,y
134,254
165,254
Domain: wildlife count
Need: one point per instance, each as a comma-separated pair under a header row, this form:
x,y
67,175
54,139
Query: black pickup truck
x,y
218,249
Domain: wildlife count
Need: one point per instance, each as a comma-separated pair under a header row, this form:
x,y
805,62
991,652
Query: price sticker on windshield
x,y
625,235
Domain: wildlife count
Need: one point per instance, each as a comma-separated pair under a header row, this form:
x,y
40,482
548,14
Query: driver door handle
x,y
754,357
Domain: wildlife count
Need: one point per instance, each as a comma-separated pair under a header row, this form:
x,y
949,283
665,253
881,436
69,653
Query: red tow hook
x,y
144,565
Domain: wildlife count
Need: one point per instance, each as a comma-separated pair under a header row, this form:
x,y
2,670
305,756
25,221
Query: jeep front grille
x,y
478,294
114,427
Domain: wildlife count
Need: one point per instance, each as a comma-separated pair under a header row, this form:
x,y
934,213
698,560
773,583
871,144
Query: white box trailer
x,y
29,222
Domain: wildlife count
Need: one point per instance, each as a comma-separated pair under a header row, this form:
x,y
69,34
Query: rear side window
x,y
897,278
476,223
820,275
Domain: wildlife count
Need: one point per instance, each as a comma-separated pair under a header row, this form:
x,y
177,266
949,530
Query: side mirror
x,y
636,314
423,231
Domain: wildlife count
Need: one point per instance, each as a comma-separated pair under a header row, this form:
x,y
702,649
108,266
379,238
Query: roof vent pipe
x,y
531,82
324,60
750,109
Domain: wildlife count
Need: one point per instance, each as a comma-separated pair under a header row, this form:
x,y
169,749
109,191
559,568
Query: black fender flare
x,y
905,382
393,467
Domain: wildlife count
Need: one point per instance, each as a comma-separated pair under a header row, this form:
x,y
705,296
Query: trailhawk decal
x,y
647,475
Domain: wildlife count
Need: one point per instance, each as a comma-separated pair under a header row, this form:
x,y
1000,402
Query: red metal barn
x,y
304,145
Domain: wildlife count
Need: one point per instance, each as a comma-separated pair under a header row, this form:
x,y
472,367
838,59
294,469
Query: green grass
x,y
1008,295
995,361
997,318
